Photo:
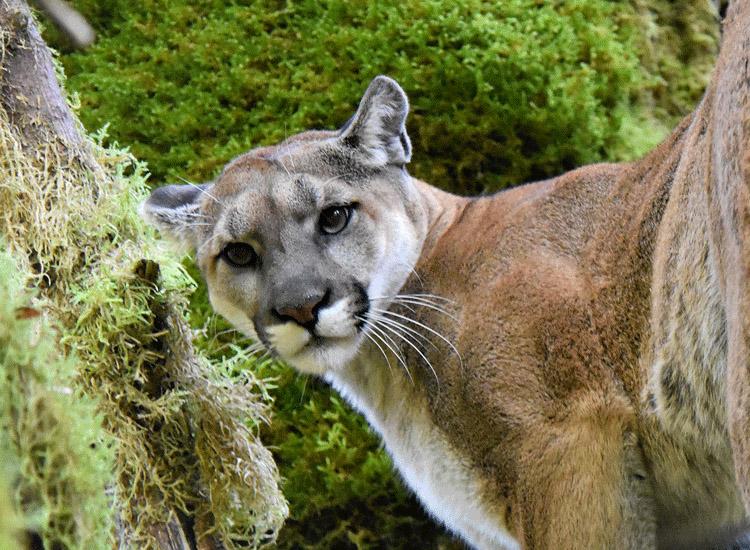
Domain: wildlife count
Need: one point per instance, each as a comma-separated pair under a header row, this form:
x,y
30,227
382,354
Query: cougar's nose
x,y
304,313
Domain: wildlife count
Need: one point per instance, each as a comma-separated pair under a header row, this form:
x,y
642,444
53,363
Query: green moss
x,y
501,92
57,460
677,48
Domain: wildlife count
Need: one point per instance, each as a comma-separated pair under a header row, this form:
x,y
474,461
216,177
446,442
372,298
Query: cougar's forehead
x,y
256,196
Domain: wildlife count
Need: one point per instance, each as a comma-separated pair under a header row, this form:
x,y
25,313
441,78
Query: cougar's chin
x,y
311,353
328,355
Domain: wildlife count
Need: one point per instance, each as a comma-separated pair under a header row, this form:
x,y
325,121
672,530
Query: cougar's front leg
x,y
583,483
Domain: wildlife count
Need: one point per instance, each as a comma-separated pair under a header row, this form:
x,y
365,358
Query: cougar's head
x,y
301,241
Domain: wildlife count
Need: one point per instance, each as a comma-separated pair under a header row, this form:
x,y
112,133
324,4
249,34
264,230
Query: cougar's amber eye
x,y
334,219
240,255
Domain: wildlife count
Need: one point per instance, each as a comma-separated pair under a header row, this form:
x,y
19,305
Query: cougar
x,y
561,365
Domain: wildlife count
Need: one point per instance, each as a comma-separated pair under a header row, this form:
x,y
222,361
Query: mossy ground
x,y
501,93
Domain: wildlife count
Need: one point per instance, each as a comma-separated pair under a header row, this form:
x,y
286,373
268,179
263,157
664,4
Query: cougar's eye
x,y
240,255
334,219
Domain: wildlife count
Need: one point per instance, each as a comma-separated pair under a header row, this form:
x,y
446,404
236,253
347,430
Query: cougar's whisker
x,y
285,151
226,331
425,327
304,387
198,214
385,338
422,296
208,241
371,338
255,348
401,300
337,176
407,340
408,330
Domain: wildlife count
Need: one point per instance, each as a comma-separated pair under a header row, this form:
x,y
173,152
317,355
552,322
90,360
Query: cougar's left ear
x,y
175,211
378,128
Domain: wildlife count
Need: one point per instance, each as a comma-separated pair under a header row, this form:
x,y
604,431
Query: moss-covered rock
x,y
501,93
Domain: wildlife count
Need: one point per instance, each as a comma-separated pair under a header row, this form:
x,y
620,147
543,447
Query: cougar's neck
x,y
378,383
440,211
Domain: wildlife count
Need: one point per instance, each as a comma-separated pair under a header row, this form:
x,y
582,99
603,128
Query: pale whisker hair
x,y
406,319
304,387
338,176
388,342
424,300
197,215
203,191
255,348
402,327
204,244
371,338
281,158
226,331
403,332
291,159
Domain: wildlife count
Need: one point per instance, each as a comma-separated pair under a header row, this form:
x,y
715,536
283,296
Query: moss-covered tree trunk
x,y
186,472
29,91
33,101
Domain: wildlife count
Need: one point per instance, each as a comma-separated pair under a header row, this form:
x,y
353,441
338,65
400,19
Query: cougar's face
x,y
300,243
299,260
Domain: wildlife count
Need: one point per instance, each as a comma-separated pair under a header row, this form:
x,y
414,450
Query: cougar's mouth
x,y
330,342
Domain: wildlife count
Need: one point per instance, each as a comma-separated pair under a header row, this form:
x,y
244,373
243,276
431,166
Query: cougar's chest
x,y
443,480
686,436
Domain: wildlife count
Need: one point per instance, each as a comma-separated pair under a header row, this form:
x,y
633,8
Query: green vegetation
x,y
56,460
501,92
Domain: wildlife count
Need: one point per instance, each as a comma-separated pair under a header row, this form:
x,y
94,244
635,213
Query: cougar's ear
x,y
175,211
378,128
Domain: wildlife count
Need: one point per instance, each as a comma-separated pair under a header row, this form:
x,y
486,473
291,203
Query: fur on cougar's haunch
x,y
563,365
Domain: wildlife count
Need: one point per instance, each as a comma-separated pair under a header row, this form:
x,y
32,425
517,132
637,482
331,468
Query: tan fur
x,y
586,382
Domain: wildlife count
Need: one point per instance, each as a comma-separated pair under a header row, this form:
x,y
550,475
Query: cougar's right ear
x,y
378,128
175,211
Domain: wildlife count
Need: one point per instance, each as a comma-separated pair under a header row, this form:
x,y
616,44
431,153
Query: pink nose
x,y
303,314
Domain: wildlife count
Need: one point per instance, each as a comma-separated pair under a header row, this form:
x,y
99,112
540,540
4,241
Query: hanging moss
x,y
11,526
57,460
